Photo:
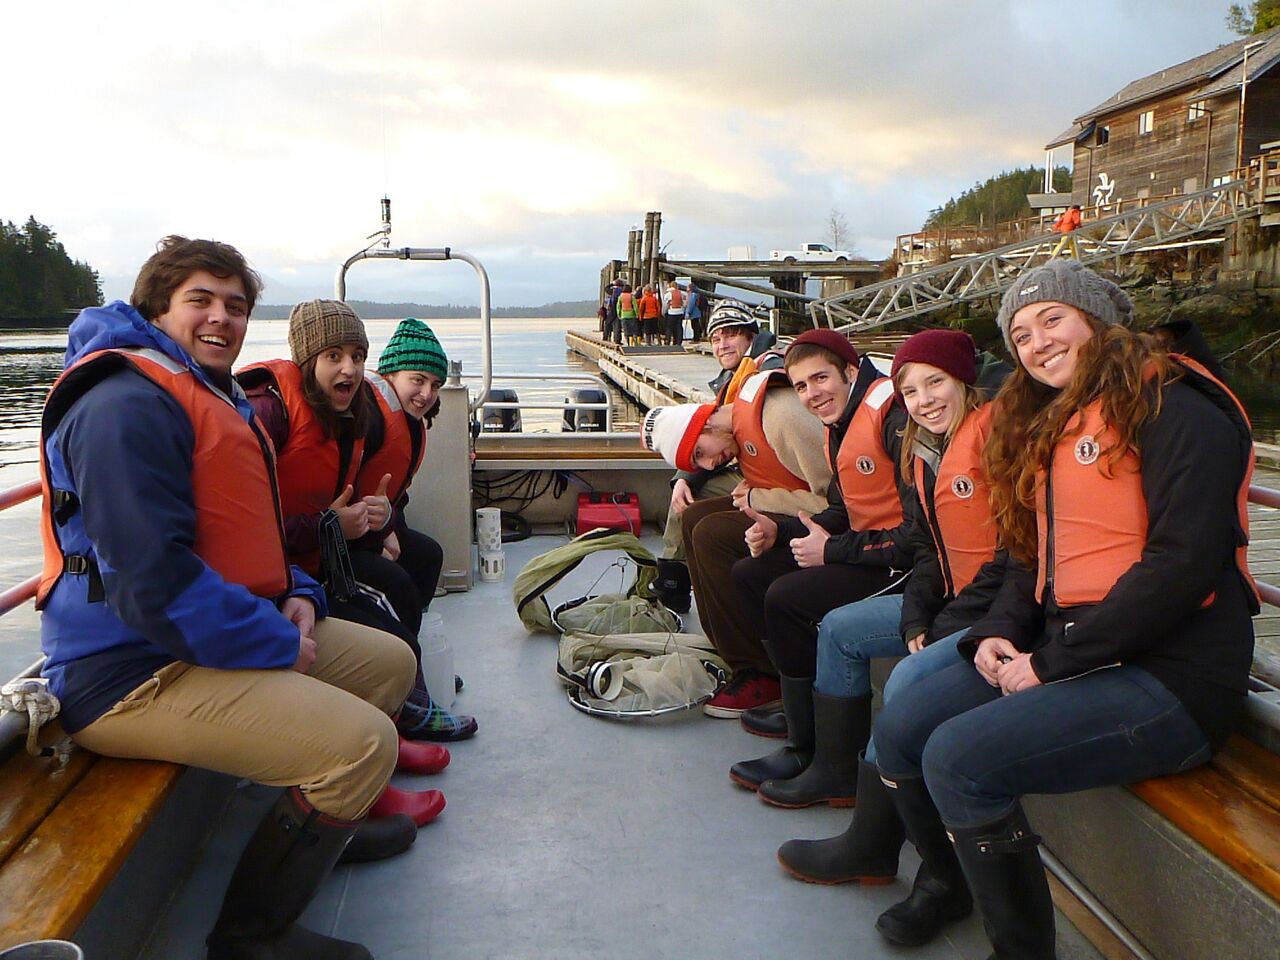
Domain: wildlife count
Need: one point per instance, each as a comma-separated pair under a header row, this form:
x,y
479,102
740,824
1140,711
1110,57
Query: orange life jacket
x,y
675,298
1092,527
760,465
308,464
868,478
396,456
239,531
960,514
627,305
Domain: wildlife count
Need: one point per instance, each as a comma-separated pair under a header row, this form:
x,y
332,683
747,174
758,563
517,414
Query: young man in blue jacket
x,y
173,625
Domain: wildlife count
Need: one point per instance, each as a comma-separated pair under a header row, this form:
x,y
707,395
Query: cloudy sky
x,y
534,135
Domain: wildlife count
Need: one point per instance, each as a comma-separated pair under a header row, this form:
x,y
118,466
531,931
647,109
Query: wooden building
x,y
1178,130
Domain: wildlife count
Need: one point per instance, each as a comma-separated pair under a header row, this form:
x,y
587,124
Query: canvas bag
x,y
638,674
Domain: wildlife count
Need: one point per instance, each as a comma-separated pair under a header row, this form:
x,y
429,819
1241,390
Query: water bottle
x,y
437,660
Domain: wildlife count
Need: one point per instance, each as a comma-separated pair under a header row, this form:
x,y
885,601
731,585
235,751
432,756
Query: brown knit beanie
x,y
316,325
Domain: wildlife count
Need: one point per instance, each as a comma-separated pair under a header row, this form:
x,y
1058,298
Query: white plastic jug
x,y
437,659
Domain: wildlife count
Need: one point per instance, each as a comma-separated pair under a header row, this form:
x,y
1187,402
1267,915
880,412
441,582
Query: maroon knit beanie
x,y
949,350
837,343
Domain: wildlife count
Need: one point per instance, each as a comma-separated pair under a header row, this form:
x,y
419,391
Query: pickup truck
x,y
819,252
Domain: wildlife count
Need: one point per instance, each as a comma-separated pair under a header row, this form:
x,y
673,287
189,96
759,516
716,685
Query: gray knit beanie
x,y
316,325
1069,282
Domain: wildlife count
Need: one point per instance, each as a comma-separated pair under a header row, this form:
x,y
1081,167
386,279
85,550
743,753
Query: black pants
x,y
408,583
422,558
791,601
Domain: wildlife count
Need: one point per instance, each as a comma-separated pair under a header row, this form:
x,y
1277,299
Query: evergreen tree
x,y
1000,198
37,278
1259,17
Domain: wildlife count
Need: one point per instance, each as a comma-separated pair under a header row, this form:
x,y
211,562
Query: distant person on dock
x,y
778,446
650,315
628,315
1067,224
673,315
1120,646
694,306
318,412
733,334
612,325
173,625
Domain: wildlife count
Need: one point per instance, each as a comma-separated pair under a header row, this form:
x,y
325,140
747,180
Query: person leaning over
x,y
173,625
779,449
1121,648
404,563
806,566
732,329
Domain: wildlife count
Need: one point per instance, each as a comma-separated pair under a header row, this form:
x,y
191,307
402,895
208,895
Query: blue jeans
x,y
850,637
979,751
936,656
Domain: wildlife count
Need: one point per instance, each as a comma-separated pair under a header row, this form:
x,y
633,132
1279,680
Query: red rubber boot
x,y
421,757
421,808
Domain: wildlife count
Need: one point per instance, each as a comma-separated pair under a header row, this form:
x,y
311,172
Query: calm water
x,y
31,360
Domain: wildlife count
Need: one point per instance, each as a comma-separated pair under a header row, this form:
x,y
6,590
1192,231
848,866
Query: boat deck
x,y
570,836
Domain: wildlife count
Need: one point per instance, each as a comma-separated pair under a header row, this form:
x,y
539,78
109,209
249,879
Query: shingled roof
x,y
1209,74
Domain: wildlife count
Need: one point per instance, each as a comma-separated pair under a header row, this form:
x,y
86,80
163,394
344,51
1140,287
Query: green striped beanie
x,y
413,347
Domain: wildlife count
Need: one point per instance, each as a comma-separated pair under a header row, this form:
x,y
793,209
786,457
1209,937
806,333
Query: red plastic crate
x,y
617,511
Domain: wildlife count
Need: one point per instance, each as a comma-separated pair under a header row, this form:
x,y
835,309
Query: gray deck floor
x,y
569,836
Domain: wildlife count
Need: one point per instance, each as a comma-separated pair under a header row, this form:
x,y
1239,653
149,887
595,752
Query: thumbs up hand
x,y
810,550
353,517
379,505
762,534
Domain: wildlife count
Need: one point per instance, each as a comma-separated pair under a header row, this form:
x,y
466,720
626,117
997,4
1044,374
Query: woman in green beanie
x,y
404,563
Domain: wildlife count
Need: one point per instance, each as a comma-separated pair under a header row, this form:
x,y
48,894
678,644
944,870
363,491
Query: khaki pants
x,y
328,731
721,485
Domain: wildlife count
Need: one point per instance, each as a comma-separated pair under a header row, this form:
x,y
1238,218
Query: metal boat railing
x,y
598,380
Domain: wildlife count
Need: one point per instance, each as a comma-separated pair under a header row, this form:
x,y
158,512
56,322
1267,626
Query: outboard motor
x,y
502,420
582,421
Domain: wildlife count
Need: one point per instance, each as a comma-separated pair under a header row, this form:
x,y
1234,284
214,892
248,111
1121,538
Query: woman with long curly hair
x,y
1120,645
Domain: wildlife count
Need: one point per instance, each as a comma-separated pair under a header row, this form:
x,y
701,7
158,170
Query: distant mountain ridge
x,y
427,311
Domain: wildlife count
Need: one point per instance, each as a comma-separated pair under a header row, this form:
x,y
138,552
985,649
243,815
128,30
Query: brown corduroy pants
x,y
713,538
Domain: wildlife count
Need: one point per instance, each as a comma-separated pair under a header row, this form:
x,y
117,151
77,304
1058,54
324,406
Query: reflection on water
x,y
30,360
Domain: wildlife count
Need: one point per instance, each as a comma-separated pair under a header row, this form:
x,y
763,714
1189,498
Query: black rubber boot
x,y
1004,870
672,585
380,839
792,757
764,722
841,728
867,852
289,856
939,895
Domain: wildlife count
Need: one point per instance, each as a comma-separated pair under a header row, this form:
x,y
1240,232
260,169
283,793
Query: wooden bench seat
x,y
1230,806
66,827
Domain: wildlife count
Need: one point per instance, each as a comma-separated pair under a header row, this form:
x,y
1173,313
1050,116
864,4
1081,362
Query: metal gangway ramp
x,y
987,274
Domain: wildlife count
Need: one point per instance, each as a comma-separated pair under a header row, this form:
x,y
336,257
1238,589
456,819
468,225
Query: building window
x,y
1196,110
1219,181
1146,122
1104,135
